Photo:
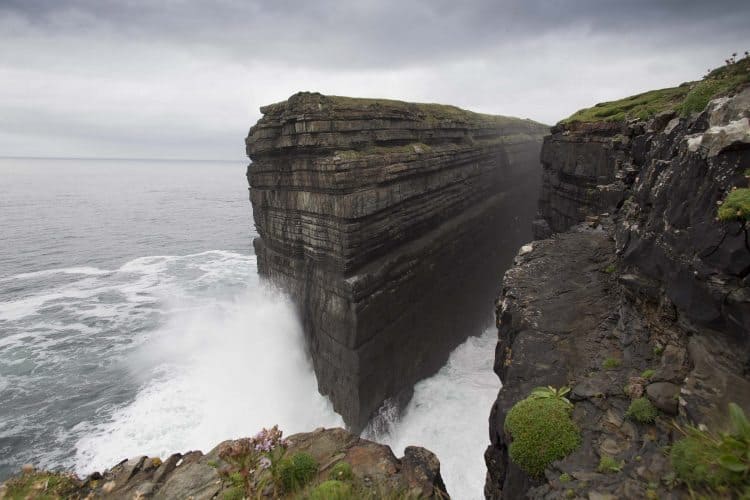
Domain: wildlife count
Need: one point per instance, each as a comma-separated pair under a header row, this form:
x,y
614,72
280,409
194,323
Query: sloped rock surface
x,y
389,224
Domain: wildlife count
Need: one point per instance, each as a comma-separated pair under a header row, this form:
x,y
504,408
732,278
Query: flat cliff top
x,y
314,103
321,124
687,98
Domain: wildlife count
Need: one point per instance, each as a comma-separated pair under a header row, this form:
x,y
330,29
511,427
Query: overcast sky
x,y
184,79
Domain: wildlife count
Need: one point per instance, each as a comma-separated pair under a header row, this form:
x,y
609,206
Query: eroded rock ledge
x,y
389,224
641,292
374,470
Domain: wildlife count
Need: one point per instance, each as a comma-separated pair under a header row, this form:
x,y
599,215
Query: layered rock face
x,y
650,296
389,224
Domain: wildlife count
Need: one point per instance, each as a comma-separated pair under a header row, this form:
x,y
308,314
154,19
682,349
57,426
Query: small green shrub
x,y
610,269
609,465
658,350
611,363
332,490
296,471
715,461
641,410
565,477
736,206
41,485
648,373
542,432
341,471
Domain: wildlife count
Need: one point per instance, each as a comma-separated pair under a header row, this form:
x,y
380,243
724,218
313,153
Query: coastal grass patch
x,y
641,410
736,206
685,99
608,465
342,471
611,363
297,471
41,485
715,462
648,373
542,431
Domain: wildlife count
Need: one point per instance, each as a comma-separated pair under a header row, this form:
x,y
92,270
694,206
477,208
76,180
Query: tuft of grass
x,y
234,493
542,432
342,471
611,363
685,99
641,410
658,350
648,373
42,486
297,471
736,206
565,477
609,465
332,490
716,462
610,269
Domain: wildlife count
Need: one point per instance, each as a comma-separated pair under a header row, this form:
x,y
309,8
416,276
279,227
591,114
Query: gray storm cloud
x,y
184,79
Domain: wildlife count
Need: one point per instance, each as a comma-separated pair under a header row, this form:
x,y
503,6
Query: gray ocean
x,y
132,321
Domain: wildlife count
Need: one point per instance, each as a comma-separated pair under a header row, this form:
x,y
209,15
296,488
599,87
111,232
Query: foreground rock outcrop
x,y
389,224
641,293
341,459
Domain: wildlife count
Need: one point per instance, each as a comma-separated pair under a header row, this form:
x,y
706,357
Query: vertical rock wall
x,y
390,224
651,298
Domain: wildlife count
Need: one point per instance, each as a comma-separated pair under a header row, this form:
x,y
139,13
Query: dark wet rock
x,y
664,396
389,224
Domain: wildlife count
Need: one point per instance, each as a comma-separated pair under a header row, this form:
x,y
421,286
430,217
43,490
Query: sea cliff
x,y
389,224
636,296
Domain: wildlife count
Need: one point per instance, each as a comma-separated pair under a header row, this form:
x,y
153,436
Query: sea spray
x,y
448,416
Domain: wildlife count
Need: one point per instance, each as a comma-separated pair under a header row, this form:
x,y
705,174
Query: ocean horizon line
x,y
114,158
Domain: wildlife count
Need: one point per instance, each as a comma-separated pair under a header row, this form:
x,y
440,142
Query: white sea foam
x,y
448,415
216,370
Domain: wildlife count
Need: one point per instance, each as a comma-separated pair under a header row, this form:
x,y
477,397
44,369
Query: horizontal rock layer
x,y
660,285
388,223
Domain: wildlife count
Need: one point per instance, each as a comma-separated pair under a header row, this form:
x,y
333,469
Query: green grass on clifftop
x,y
685,99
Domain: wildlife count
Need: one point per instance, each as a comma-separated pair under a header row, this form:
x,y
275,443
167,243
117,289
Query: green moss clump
x,y
542,432
648,373
609,465
332,490
565,477
41,486
736,206
298,470
611,363
610,269
341,471
641,410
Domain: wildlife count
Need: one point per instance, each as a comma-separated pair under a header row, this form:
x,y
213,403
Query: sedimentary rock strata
x,y
649,297
389,223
